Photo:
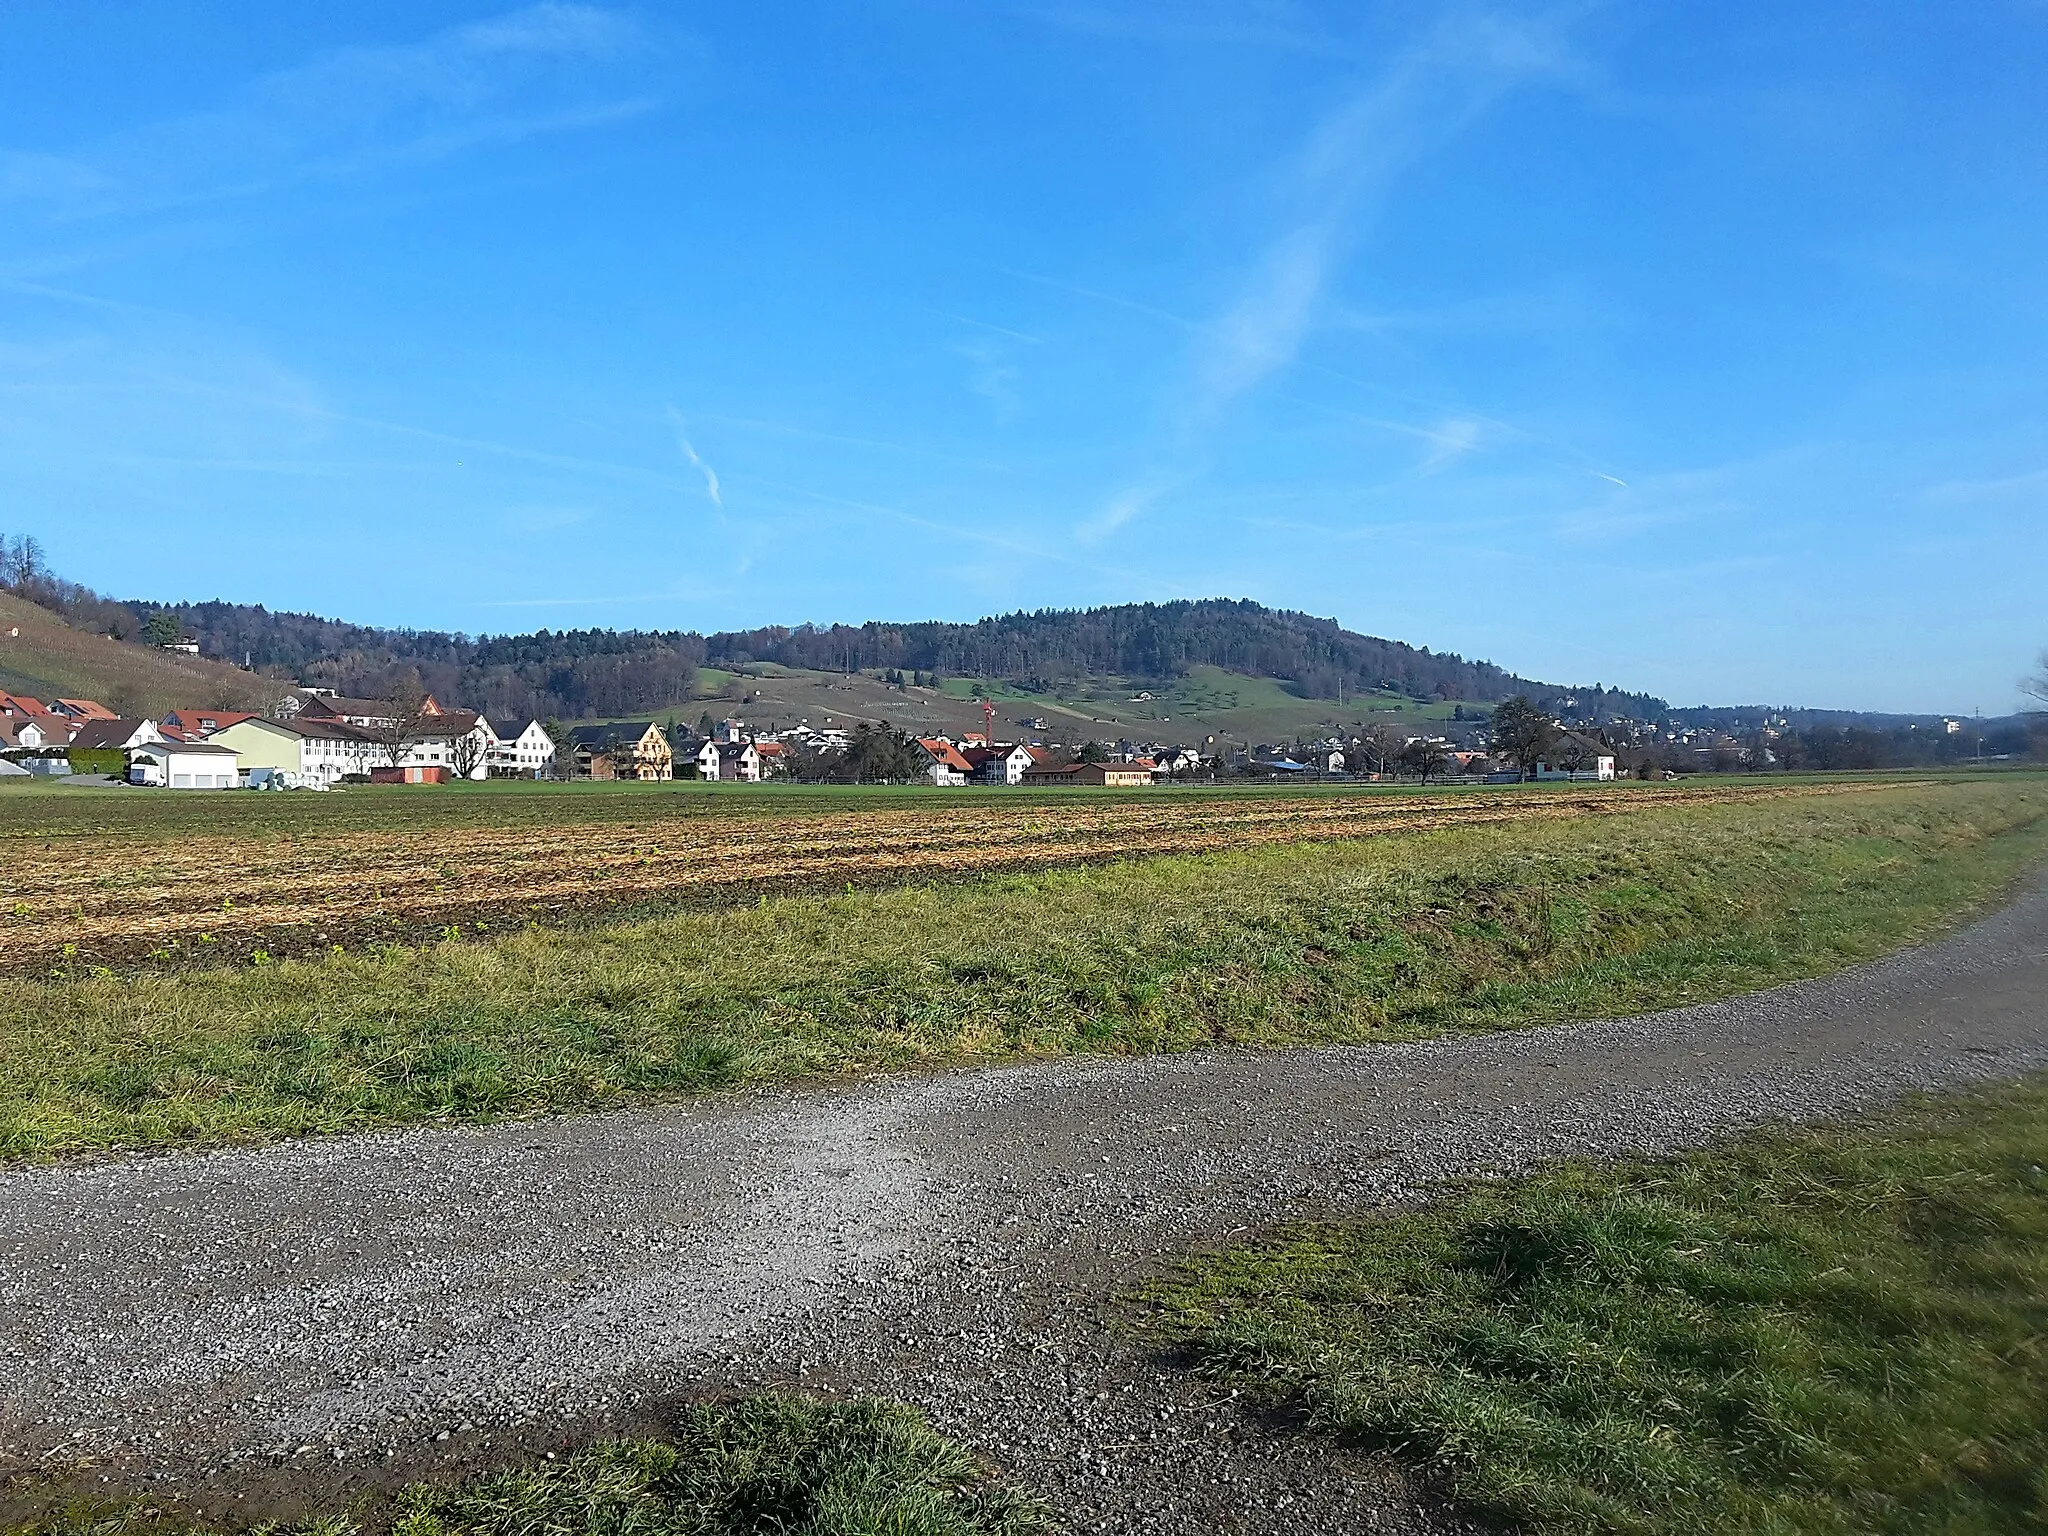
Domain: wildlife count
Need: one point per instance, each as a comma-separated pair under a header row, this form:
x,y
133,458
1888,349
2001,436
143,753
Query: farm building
x,y
412,773
315,751
1106,775
184,765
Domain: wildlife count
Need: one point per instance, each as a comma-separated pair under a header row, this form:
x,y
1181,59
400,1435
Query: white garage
x,y
184,765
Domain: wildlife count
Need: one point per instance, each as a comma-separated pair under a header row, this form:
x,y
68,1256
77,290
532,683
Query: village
x,y
315,739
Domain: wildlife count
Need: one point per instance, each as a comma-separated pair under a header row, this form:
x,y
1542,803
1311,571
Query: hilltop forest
x,y
602,672
584,673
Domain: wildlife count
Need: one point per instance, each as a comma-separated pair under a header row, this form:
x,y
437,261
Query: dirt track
x,y
318,1314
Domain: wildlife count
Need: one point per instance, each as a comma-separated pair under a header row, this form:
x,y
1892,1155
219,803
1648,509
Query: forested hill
x,y
1158,640
576,673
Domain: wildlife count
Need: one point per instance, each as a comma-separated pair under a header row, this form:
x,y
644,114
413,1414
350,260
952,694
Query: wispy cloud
x,y
1428,93
1128,504
544,68
1450,440
696,461
710,475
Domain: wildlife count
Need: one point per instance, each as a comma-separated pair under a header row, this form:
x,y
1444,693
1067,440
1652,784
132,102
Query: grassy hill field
x,y
1206,703
45,657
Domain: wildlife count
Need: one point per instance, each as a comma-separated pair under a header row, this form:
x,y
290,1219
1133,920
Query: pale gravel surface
x,y
219,1320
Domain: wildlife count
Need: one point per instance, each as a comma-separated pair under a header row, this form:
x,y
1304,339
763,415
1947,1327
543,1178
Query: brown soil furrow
x,y
299,894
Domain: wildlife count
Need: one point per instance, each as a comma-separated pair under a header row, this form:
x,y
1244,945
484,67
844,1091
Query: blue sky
x,y
1689,347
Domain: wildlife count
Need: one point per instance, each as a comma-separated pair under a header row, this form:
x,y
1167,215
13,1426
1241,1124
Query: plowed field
x,y
123,897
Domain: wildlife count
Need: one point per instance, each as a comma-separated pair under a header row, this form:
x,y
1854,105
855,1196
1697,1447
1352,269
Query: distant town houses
x,y
317,738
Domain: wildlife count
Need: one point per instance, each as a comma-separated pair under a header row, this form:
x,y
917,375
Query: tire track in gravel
x,y
316,1314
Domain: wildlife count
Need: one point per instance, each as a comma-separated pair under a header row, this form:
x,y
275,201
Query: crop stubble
x,y
111,899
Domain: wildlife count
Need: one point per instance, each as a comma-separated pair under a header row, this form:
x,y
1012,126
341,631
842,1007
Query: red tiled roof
x,y
194,723
946,754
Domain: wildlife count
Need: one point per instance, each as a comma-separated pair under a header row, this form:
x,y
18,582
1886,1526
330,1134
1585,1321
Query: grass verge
x,y
1395,937
794,1466
1826,1330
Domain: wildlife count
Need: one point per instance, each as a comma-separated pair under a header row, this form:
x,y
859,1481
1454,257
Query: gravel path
x,y
332,1316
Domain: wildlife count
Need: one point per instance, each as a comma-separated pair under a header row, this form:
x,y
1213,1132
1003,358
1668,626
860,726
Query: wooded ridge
x,y
601,672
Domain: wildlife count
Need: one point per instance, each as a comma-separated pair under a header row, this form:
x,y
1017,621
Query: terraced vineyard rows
x,y
113,899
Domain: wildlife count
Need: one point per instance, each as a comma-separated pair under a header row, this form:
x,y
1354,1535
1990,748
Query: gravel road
x,y
328,1317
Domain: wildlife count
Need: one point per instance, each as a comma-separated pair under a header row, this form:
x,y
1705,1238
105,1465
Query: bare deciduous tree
x,y
396,730
466,754
2036,687
1383,744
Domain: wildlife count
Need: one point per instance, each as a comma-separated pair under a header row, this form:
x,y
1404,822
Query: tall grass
x,y
789,1465
1388,938
1821,1331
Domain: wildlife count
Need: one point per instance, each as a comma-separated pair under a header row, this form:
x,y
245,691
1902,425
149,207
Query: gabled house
x,y
1002,765
697,758
198,724
459,740
368,714
527,753
943,763
40,731
113,735
738,763
81,709
1573,756
631,749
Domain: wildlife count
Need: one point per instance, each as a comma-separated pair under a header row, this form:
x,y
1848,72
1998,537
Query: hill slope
x,y
42,655
1051,655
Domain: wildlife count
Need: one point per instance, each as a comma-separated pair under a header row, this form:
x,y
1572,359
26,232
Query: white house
x,y
317,751
1000,765
1573,756
943,764
46,731
526,754
114,735
184,765
738,763
459,740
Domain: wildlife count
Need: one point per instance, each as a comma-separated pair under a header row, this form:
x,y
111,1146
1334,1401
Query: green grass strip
x,y
1813,1331
1378,939
790,1465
